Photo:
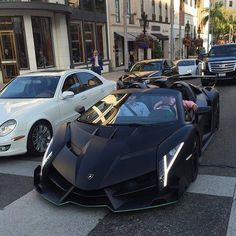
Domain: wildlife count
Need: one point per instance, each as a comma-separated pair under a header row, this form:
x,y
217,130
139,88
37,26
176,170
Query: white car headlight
x,y
47,155
7,127
167,162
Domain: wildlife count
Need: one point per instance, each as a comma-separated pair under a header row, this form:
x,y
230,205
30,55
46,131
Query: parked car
x,y
32,106
147,69
127,158
221,64
190,66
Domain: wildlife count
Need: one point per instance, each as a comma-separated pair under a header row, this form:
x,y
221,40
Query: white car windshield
x,y
186,63
31,87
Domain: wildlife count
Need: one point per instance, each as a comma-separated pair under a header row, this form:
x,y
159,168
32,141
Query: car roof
x,y
53,72
150,60
224,45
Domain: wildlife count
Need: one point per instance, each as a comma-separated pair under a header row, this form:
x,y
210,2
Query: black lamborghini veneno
x,y
134,149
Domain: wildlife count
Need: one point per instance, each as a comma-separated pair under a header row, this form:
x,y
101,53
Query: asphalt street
x,y
207,208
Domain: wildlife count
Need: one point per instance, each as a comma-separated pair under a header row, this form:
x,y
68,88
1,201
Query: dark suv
x,y
221,64
147,69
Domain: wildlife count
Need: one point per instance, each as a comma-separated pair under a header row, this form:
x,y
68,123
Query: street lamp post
x,y
187,31
144,23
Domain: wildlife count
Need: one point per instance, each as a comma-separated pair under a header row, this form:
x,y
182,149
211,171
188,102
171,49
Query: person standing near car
x,y
97,63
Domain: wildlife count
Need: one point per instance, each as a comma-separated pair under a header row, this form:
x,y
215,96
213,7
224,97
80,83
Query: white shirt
x,y
96,61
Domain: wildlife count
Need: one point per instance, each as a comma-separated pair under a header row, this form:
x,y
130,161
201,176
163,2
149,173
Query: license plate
x,y
222,74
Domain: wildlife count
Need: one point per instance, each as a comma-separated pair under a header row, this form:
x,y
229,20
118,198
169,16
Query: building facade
x,y
51,34
33,36
158,16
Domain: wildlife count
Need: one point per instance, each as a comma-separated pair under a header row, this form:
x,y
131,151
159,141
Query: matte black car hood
x,y
102,156
138,74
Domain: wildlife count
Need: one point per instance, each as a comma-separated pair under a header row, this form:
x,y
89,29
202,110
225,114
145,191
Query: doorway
x,y
8,57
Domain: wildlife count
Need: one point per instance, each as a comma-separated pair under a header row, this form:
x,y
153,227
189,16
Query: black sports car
x,y
147,69
135,149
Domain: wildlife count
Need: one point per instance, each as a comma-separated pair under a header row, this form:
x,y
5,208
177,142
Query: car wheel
x,y
195,158
39,137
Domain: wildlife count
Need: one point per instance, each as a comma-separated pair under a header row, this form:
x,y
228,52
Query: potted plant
x,y
144,41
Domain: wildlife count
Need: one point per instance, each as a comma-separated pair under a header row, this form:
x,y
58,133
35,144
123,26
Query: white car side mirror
x,y
67,94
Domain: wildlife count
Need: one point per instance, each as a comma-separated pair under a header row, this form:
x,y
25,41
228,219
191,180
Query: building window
x,y
100,6
76,42
142,6
131,16
101,40
88,5
89,40
191,3
153,10
230,3
16,25
166,9
42,42
75,3
160,11
117,10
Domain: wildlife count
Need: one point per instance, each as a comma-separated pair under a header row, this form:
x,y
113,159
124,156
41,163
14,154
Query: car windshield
x,y
223,51
149,66
132,109
31,87
186,63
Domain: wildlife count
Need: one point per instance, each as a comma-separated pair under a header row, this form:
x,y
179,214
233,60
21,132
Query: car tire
x,y
217,121
195,158
39,137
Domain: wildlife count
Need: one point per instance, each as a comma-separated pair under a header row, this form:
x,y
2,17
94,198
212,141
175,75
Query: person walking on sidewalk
x,y
97,63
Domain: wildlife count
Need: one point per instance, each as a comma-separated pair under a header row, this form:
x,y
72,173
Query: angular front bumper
x,y
59,191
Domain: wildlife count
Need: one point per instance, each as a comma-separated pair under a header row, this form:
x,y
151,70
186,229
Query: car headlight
x,y
47,155
166,163
7,127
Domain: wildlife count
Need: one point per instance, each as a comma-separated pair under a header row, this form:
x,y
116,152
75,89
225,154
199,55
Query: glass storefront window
x,y
88,5
100,6
75,3
43,42
77,43
16,25
89,40
102,40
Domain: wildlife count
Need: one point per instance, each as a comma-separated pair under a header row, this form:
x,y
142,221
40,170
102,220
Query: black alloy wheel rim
x,y
41,137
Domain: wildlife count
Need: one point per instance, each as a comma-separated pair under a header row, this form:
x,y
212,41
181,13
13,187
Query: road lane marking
x,y
18,167
213,185
32,215
232,219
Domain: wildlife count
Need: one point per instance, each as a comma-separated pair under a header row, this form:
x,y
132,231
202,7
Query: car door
x,y
68,104
93,87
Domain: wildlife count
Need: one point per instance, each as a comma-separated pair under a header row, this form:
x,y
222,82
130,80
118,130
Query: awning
x,y
130,37
161,36
136,34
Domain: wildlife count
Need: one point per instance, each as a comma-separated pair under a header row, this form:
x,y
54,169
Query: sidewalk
x,y
108,75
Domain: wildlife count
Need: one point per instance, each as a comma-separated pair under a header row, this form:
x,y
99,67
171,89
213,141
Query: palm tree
x,y
216,18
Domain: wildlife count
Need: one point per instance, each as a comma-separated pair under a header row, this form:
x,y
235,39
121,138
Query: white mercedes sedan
x,y
32,106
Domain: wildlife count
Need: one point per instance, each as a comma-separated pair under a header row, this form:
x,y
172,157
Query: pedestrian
x,y
131,59
97,63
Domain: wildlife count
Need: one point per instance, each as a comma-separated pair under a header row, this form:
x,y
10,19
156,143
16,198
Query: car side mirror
x,y
67,94
203,110
80,109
